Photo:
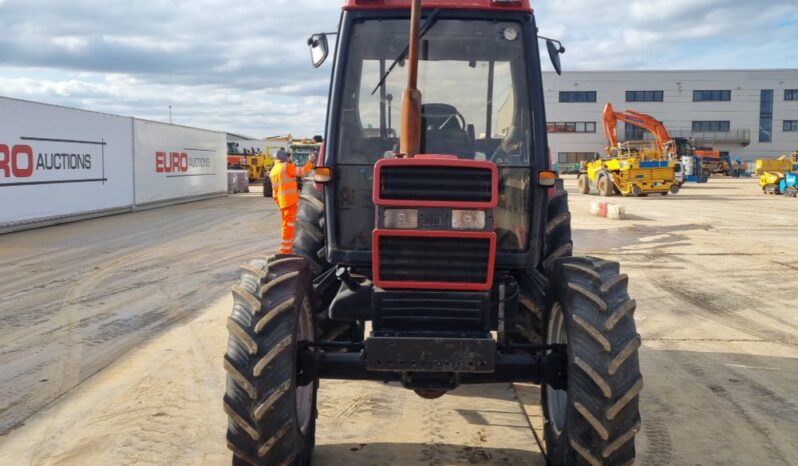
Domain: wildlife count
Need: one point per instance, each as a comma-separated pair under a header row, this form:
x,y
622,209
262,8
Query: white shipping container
x,y
176,162
58,162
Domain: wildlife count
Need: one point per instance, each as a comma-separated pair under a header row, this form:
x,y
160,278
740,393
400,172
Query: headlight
x,y
401,218
468,219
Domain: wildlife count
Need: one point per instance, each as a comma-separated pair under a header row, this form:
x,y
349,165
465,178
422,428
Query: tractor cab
x,y
479,73
433,249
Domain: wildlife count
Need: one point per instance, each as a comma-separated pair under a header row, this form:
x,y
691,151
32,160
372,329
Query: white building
x,y
746,113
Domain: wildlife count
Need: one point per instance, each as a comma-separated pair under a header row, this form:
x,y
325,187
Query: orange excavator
x,y
633,171
641,120
699,162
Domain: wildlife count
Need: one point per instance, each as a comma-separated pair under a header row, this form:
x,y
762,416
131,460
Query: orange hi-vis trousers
x,y
287,234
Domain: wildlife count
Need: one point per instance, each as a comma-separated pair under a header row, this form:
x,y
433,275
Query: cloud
x,y
244,67
672,34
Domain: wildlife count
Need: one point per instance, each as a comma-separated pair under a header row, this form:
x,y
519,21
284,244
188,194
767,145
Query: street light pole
x,y
170,114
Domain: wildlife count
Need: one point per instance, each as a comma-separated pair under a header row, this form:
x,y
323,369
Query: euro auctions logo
x,y
16,161
185,162
171,162
37,160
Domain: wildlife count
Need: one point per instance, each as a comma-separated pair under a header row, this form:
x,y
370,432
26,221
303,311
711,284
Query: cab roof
x,y
511,5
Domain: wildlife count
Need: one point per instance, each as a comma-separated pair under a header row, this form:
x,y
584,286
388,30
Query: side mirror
x,y
319,49
555,49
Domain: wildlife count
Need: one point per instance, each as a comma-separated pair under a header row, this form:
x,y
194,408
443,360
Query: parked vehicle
x,y
633,170
454,243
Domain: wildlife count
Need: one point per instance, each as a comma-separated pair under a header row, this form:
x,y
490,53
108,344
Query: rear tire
x,y
557,243
584,184
309,236
792,191
594,421
267,186
272,421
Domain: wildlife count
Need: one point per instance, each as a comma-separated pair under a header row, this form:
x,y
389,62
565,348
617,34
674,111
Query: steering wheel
x,y
460,120
442,112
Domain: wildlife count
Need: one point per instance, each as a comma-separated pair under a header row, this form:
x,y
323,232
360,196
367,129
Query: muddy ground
x,y
112,335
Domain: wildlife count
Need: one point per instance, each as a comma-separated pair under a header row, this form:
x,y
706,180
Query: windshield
x,y
473,83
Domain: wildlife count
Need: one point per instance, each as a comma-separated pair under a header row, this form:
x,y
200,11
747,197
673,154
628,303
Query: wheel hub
x,y
304,394
557,400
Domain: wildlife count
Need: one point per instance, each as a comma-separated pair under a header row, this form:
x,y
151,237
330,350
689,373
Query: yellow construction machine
x,y
785,163
299,149
633,170
779,176
256,164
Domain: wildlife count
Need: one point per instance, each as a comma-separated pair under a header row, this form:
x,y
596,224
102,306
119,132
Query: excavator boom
x,y
641,120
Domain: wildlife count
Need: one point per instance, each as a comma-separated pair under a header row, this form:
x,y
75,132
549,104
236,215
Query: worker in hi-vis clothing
x,y
285,192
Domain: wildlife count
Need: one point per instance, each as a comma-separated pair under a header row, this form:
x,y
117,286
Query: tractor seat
x,y
442,131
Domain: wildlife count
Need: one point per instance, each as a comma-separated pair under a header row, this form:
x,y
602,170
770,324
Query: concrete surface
x,y
107,357
75,297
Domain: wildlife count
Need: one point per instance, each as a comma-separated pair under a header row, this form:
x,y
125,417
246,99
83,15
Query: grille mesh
x,y
432,311
424,183
434,259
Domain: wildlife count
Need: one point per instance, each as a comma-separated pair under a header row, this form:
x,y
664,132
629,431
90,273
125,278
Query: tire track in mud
x,y
116,288
722,310
656,432
660,449
48,265
160,405
712,383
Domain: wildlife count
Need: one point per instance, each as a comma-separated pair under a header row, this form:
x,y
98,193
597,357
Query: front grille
x,y
431,311
431,183
434,259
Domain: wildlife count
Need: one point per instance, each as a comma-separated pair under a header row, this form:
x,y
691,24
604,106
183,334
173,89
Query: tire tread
x,y
604,383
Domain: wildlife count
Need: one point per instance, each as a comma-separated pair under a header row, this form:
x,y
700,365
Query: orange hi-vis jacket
x,y
284,187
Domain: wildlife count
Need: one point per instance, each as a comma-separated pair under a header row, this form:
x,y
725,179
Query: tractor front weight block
x,y
536,368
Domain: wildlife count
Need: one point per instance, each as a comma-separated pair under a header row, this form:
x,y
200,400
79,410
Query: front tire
x,y
272,420
593,421
605,185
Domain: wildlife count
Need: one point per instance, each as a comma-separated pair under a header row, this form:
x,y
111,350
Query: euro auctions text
x,y
21,161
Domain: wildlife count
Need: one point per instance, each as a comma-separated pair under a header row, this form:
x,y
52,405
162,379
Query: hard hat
x,y
282,155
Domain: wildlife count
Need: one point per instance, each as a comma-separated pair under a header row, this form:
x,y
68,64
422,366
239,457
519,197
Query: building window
x,y
644,96
571,127
790,125
575,157
577,96
791,94
711,96
711,126
633,133
766,115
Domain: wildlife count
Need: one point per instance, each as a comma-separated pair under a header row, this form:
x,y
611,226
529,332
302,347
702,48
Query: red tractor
x,y
436,253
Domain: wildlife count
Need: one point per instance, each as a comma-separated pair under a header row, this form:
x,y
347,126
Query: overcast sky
x,y
244,66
